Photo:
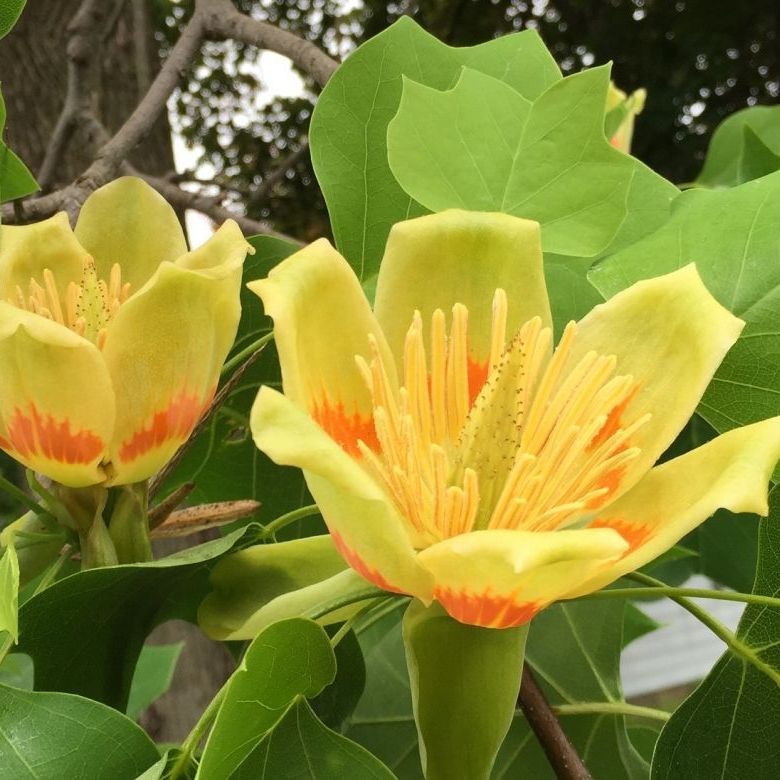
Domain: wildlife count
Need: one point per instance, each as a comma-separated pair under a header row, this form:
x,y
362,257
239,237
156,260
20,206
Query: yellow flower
x,y
630,106
457,457
112,336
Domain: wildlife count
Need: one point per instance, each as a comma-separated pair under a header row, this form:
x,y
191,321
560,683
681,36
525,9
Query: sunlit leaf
x,y
349,126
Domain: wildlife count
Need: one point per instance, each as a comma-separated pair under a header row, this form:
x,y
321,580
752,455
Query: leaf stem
x,y
370,592
199,730
611,708
735,645
239,357
672,592
283,520
22,497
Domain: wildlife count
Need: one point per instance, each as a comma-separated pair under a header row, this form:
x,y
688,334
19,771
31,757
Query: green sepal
x,y
464,681
268,582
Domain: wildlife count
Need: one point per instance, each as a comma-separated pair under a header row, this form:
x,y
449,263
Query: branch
x,y
212,18
561,754
279,172
222,20
210,206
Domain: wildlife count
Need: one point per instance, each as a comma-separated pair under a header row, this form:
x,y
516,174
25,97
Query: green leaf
x,y
18,671
152,677
731,235
338,701
269,582
464,681
348,131
9,594
745,146
574,648
16,181
301,747
223,461
48,736
288,660
728,546
727,726
10,11
483,146
85,632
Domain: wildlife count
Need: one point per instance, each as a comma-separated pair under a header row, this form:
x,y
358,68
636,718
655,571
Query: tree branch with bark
x,y
212,19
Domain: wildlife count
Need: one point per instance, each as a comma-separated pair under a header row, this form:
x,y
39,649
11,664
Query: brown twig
x,y
159,479
159,514
210,206
561,754
212,19
222,20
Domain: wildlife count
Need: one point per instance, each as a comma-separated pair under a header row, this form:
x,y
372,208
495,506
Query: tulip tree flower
x,y
459,456
112,336
627,107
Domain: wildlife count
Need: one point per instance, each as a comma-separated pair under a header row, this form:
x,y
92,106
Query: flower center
x,y
541,447
87,307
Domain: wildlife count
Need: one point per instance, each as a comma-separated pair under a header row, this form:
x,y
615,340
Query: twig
x,y
279,172
561,754
159,479
210,206
212,19
160,513
222,20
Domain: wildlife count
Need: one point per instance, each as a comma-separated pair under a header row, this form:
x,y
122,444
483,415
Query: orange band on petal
x,y
359,565
32,434
344,428
175,422
634,533
485,609
478,373
613,420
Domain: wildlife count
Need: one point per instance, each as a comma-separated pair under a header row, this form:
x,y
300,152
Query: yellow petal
x,y
731,472
129,223
670,335
365,526
164,351
456,256
502,578
56,399
27,250
255,587
322,321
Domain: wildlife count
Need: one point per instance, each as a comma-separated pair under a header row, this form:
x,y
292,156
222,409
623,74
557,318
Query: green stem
x,y
22,497
611,708
350,622
370,592
199,730
51,573
129,524
239,358
283,520
736,645
703,593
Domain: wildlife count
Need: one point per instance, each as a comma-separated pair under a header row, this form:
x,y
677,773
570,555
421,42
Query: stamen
x,y
86,307
539,449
